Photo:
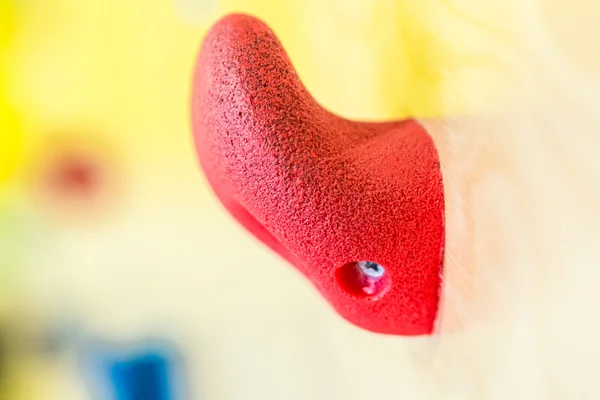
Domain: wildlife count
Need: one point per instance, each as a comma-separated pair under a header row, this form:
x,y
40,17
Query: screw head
x,y
371,269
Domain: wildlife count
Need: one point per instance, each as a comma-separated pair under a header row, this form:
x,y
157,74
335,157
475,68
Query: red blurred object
x,y
76,177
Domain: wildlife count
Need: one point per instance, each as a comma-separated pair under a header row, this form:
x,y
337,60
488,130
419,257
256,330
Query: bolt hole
x,y
365,279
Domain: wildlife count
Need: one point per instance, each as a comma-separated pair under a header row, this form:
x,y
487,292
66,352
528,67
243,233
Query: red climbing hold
x,y
357,207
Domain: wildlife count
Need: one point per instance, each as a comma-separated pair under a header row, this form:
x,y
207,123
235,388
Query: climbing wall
x,y
119,267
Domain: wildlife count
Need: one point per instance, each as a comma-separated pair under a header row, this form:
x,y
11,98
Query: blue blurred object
x,y
142,378
147,371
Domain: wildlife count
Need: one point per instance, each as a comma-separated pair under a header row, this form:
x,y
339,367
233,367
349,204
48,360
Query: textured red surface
x,y
320,190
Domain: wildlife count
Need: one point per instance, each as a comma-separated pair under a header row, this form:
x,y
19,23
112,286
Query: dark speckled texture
x,y
320,190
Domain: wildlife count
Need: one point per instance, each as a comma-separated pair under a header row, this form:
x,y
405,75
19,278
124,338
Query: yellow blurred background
x,y
106,219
